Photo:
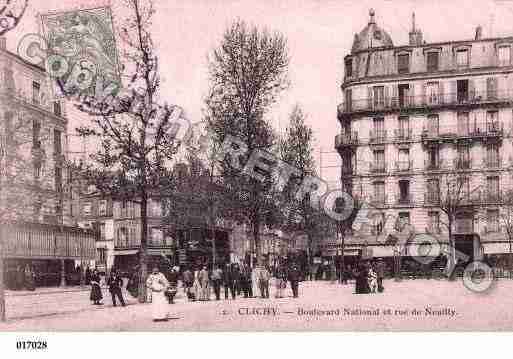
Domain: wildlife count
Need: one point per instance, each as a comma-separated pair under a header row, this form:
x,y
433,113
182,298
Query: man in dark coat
x,y
115,284
217,279
228,282
380,271
237,278
188,282
361,282
294,276
172,277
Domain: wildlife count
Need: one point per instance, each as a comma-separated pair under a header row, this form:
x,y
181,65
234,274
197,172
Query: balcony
x,y
403,134
377,168
377,136
450,99
439,165
346,139
404,200
462,164
432,198
494,162
475,130
378,201
403,166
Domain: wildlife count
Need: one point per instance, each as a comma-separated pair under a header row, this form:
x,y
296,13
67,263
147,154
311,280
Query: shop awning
x,y
126,252
158,252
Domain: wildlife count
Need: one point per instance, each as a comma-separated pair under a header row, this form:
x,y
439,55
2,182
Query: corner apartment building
x,y
38,231
412,114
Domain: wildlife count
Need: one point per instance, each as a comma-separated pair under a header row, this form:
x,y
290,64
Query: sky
x,y
319,34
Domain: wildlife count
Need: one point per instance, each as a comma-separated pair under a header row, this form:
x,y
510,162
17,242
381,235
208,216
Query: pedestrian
x,y
255,274
361,282
188,282
237,278
20,278
96,292
228,282
197,286
263,282
133,283
373,280
30,280
281,281
245,280
204,284
380,271
294,276
115,283
88,276
157,284
173,284
217,278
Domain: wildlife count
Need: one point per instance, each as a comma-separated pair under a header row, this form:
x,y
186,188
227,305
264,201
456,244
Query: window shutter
x,y
386,99
423,95
471,89
369,97
411,92
441,94
395,95
454,90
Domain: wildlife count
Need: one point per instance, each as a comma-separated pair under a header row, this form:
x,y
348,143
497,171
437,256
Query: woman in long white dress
x,y
157,284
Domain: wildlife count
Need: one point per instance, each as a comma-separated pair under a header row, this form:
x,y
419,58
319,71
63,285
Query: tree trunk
x,y
143,252
2,285
343,258
256,232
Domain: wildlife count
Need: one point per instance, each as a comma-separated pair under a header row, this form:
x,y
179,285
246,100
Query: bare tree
x,y
137,138
247,72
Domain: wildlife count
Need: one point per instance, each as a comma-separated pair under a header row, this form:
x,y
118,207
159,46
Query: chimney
x,y
2,43
479,32
415,34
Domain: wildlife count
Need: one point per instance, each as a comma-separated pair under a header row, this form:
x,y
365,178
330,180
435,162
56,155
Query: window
x,y
462,58
101,255
491,88
403,64
463,189
492,121
58,179
492,223
433,190
492,155
87,209
404,159
463,124
35,92
432,93
37,170
463,160
102,231
492,188
434,222
433,158
432,61
349,67
379,128
402,221
432,125
36,131
57,144
504,53
123,237
57,111
349,99
379,96
404,191
404,127
404,95
462,89
379,192
379,161
102,208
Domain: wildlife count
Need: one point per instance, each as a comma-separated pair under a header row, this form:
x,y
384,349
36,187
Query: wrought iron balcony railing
x,y
406,199
431,100
470,130
377,136
492,162
438,165
462,164
377,168
403,134
346,139
403,166
378,201
432,198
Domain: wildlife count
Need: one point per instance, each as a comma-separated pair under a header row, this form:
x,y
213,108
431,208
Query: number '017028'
x,y
31,345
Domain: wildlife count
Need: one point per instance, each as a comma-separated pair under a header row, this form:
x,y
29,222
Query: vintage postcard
x,y
294,165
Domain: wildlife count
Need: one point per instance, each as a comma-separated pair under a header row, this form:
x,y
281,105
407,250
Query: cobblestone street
x,y
405,305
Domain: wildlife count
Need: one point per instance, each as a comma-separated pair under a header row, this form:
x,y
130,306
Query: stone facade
x,y
413,114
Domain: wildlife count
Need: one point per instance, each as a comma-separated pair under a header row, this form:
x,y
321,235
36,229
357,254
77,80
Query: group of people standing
x,y
114,283
369,277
